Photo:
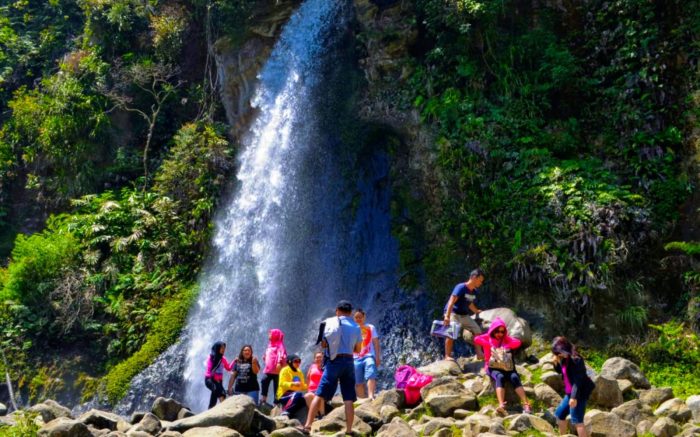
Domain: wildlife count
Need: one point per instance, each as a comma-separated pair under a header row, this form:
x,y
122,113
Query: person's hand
x,y
296,383
230,392
378,362
573,403
446,321
555,360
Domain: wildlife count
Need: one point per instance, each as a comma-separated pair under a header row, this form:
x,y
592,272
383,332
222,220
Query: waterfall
x,y
306,224
285,248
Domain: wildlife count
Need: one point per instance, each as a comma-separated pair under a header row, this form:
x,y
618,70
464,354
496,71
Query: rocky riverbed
x,y
459,401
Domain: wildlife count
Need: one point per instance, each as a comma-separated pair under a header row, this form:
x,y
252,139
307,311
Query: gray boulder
x,y
644,426
149,424
626,387
184,413
689,430
3,409
169,434
445,395
524,422
64,427
136,433
606,393
289,431
335,421
608,424
236,412
104,420
693,403
369,414
655,396
397,428
633,411
441,368
212,431
50,410
388,412
675,409
664,427
554,380
621,368
436,424
546,394
517,326
262,423
166,408
478,423
136,417
393,397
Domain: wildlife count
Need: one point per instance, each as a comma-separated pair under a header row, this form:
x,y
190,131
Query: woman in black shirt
x,y
244,380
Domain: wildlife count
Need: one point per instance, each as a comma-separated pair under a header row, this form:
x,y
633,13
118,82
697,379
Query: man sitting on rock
x,y
462,300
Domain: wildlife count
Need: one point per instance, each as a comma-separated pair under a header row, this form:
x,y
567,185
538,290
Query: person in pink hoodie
x,y
214,375
275,358
498,352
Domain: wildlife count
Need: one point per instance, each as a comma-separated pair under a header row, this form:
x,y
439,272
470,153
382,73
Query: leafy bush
x,y
165,331
26,426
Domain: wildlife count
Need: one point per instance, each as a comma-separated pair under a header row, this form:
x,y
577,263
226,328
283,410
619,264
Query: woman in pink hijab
x,y
275,358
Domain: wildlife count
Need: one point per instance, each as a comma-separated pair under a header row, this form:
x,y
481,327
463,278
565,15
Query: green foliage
x,y
557,155
25,427
165,332
687,247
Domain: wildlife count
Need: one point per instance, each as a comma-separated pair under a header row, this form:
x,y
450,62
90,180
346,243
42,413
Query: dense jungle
x,y
553,143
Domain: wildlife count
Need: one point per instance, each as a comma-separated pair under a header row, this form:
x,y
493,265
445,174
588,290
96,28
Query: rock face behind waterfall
x,y
460,400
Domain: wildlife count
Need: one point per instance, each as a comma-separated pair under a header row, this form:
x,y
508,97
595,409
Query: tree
x,y
157,82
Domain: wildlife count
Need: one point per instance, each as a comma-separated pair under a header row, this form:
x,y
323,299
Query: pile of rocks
x,y
459,401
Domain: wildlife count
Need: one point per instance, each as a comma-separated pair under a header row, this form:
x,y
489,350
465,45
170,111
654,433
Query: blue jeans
x,y
341,370
577,413
365,369
252,394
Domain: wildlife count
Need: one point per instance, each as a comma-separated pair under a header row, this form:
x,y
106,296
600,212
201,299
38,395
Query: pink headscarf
x,y
276,353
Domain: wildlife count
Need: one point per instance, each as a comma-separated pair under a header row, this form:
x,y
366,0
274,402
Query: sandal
x,y
527,409
501,410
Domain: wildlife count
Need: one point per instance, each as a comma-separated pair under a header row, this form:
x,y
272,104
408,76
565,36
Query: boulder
x,y
136,417
121,434
461,414
436,424
445,395
166,409
285,422
633,411
693,403
554,380
50,410
517,326
442,368
170,434
397,428
644,426
388,412
690,430
546,394
136,433
655,396
183,413
608,424
664,427
149,424
212,431
289,431
262,423
621,368
3,409
394,397
478,423
675,409
64,427
475,385
335,421
626,386
369,415
606,393
104,420
236,412
524,422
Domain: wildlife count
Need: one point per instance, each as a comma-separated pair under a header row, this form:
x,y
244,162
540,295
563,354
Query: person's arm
x,y
482,340
256,365
232,379
448,311
377,352
576,376
473,307
285,380
210,364
512,342
228,366
303,386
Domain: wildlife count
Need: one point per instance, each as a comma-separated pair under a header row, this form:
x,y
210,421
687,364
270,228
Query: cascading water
x,y
308,222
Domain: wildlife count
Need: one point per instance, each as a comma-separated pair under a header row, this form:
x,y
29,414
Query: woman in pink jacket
x,y
498,344
275,358
214,375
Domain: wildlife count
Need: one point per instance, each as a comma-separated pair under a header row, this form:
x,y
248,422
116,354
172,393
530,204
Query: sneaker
x,y
527,409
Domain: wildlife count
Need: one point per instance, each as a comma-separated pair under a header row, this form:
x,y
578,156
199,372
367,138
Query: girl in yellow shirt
x,y
291,392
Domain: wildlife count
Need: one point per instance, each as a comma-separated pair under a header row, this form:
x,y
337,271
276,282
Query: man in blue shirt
x,y
463,299
339,368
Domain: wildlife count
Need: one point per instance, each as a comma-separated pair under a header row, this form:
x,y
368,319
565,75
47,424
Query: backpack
x,y
402,375
416,382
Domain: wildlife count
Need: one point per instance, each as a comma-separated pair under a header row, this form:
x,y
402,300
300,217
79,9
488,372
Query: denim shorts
x,y
577,413
253,394
365,369
341,370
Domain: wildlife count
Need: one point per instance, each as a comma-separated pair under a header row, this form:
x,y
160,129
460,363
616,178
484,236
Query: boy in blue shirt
x,y
462,300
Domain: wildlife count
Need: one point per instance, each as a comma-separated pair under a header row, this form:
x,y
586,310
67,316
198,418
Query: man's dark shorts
x,y
342,370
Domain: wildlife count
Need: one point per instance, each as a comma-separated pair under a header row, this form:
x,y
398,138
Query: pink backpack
x,y
402,375
416,382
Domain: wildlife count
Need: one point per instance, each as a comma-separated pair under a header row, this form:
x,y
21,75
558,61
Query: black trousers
x,y
267,379
217,390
